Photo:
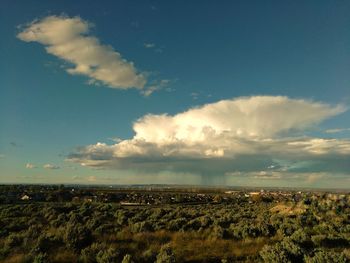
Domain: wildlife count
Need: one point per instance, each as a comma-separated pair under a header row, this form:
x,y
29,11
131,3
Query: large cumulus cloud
x,y
249,134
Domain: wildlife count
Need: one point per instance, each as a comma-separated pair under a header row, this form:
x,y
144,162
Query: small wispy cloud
x,y
268,175
154,47
159,50
158,85
135,24
337,130
149,45
168,89
115,139
194,95
51,166
197,95
30,166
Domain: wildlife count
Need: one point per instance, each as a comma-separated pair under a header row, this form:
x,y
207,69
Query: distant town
x,y
162,194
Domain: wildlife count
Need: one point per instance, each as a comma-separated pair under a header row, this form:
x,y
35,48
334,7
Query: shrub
x,y
270,254
127,259
40,258
293,250
149,255
141,227
107,256
166,255
324,257
77,236
13,240
88,254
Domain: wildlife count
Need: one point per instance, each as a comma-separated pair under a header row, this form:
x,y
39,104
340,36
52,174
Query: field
x,y
229,227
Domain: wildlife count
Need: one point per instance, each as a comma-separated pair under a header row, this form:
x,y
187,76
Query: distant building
x,y
231,192
25,198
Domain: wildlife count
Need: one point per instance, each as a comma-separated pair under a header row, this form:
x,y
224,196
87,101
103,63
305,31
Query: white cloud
x,y
115,139
322,146
69,39
149,45
337,130
154,47
158,85
267,175
290,179
51,166
260,117
243,134
30,166
194,95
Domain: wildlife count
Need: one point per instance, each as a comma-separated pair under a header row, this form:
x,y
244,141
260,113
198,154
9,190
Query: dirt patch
x,y
288,209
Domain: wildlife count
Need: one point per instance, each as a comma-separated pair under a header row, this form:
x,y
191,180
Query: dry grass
x,y
188,246
347,253
288,209
15,258
64,256
191,247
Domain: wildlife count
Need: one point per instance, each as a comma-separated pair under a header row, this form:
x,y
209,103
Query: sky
x,y
230,93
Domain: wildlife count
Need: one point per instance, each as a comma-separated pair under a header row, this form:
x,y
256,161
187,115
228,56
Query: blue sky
x,y
189,54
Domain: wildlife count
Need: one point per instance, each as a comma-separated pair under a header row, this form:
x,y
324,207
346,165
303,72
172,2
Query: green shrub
x,y
110,255
77,236
322,256
127,259
40,258
270,254
88,254
166,255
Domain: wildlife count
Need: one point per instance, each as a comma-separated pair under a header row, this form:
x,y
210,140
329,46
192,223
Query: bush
x,y
326,257
88,254
77,236
127,259
149,255
107,256
294,251
166,255
40,258
13,240
300,237
270,254
141,227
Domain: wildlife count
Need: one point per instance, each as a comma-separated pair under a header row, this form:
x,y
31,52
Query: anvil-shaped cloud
x,y
239,135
